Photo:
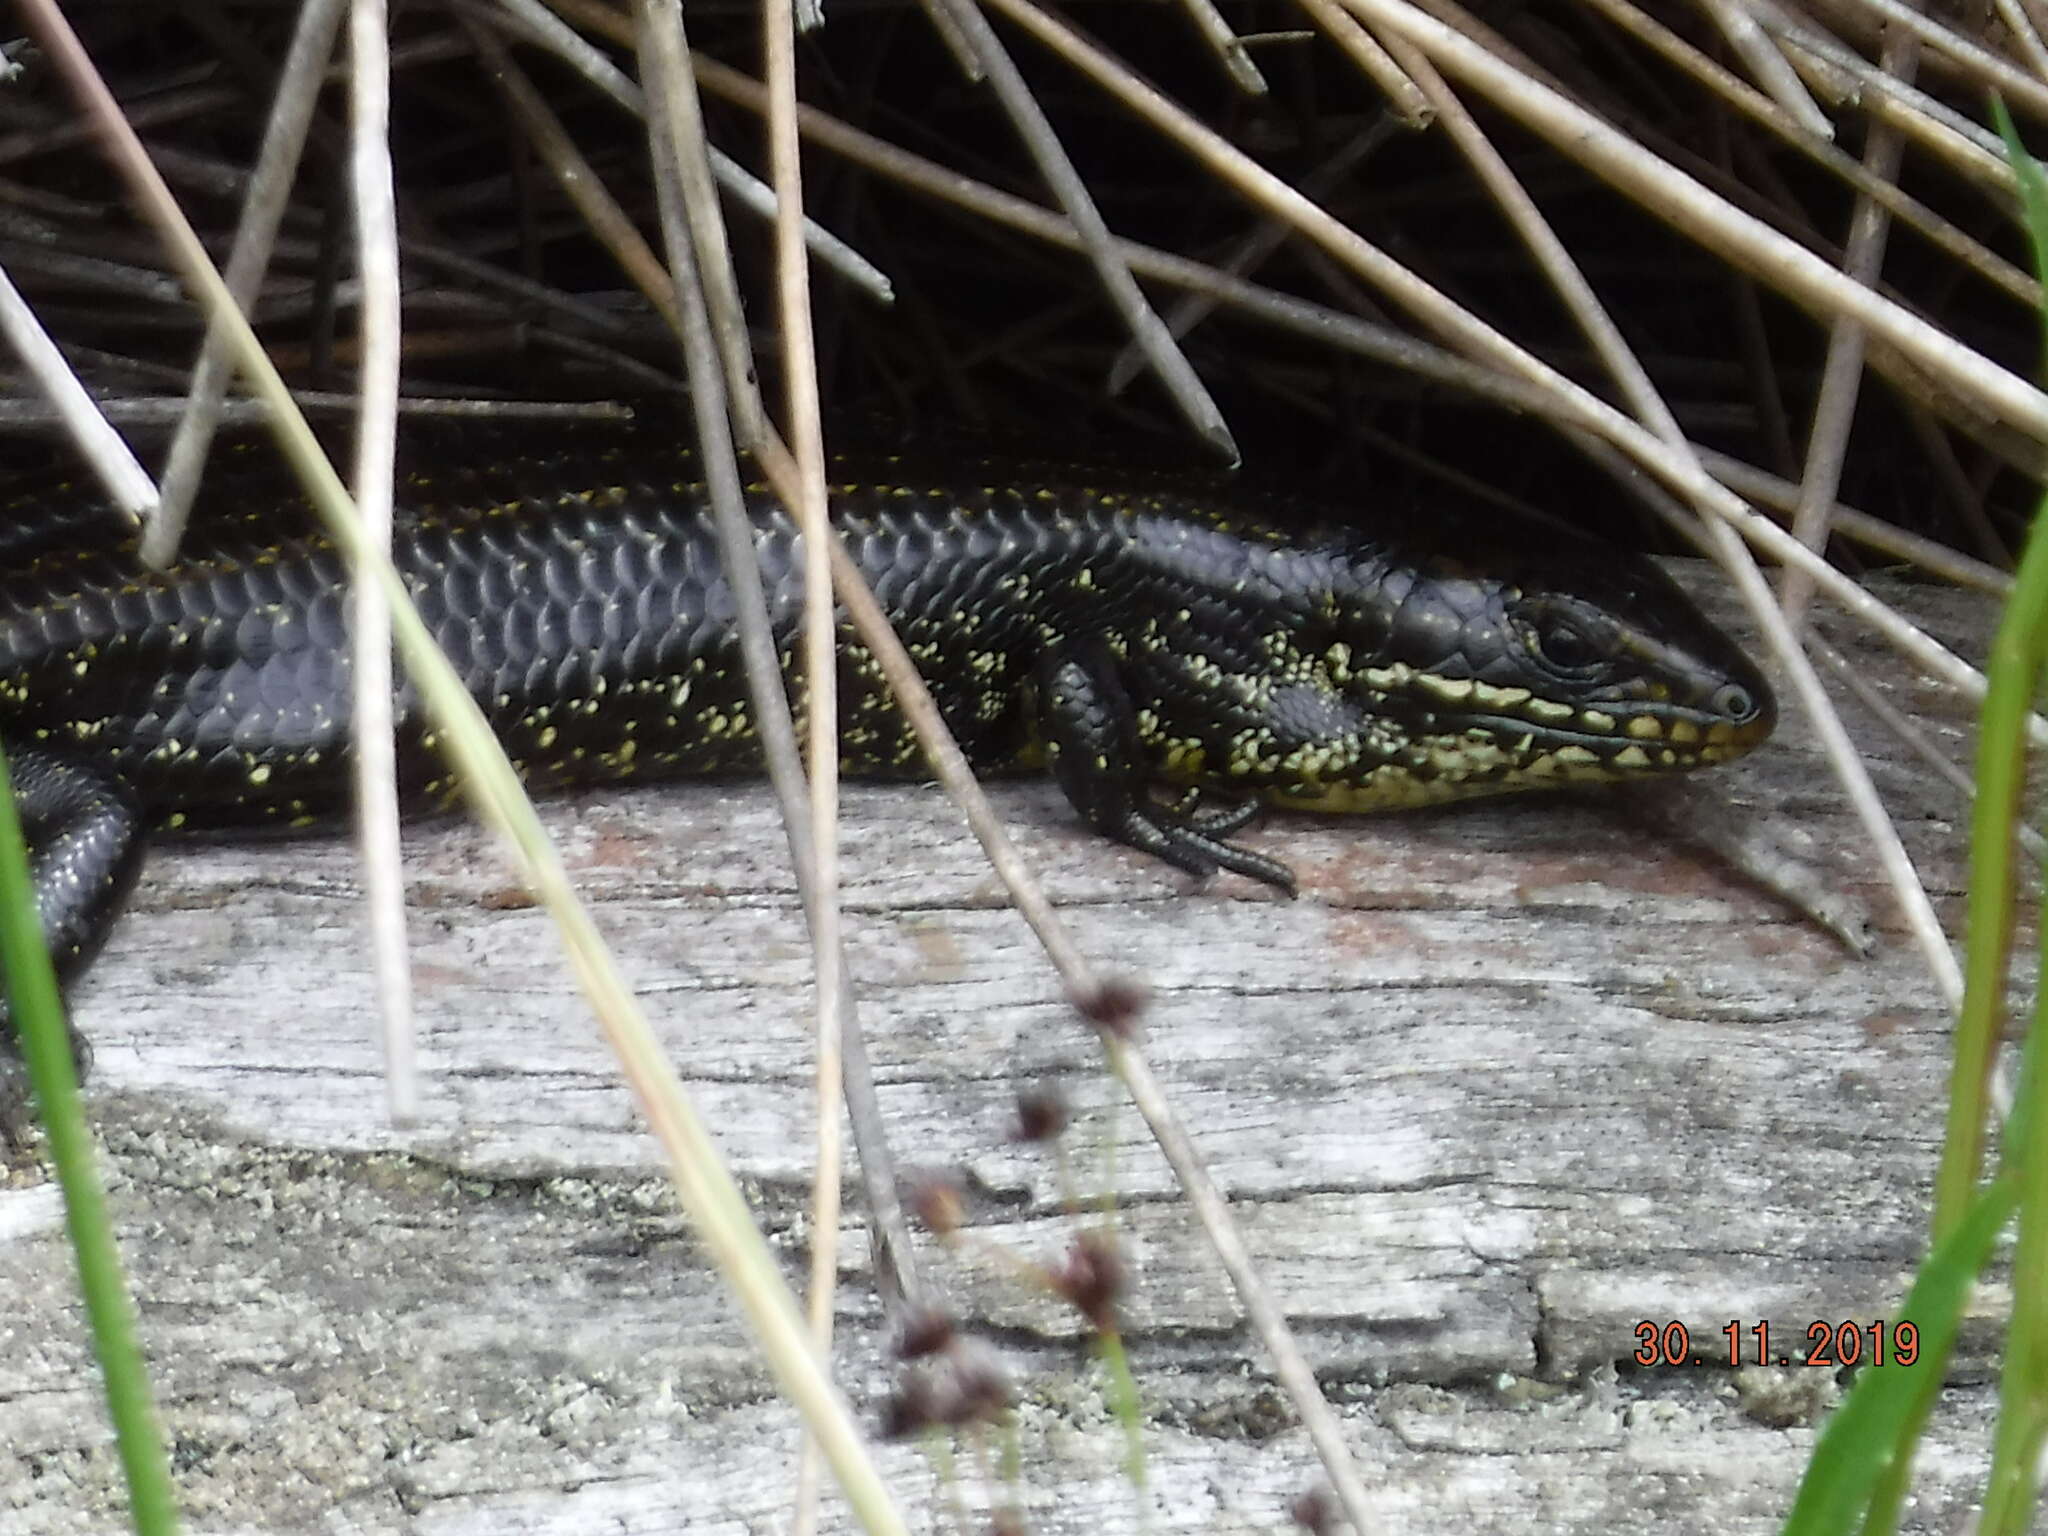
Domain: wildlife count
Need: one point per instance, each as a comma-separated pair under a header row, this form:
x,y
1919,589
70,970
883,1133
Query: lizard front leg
x,y
1089,728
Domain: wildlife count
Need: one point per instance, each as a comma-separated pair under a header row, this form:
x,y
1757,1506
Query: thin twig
x,y
1777,78
1217,35
661,26
1746,99
821,695
268,190
573,172
1175,373
534,22
1834,408
102,447
376,753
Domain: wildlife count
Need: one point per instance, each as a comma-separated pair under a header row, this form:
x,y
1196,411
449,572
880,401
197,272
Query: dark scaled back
x,y
1365,662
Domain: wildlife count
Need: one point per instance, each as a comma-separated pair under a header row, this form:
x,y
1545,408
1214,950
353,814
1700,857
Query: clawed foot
x,y
1191,838
1231,813
1090,731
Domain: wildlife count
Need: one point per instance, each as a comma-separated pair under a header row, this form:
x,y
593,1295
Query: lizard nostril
x,y
1734,701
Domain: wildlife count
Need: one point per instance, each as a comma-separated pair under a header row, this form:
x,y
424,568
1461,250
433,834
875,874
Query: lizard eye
x,y
1565,647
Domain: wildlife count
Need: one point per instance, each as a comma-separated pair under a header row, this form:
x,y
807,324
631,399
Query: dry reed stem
x,y
2021,26
169,410
1404,98
895,1262
534,23
1776,77
1262,242
1781,495
127,483
2023,91
1175,373
1744,98
1909,731
1939,454
376,753
265,197
677,146
575,176
1713,222
661,25
1834,409
821,699
1219,39
1846,77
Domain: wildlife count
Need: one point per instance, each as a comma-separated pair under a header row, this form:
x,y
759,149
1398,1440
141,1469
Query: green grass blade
x,y
2023,1380
2001,771
2015,677
1874,1428
39,1019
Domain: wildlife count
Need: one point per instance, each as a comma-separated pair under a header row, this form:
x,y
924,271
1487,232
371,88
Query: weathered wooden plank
x,y
1504,1083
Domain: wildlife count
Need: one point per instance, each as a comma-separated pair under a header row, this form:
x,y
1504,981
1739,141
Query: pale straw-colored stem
x,y
821,697
268,190
1841,378
110,457
376,755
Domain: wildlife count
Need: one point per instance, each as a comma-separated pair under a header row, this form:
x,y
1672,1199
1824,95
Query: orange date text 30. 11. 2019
x,y
1834,1345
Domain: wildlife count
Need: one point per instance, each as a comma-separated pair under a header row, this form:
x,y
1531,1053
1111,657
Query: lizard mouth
x,y
1499,754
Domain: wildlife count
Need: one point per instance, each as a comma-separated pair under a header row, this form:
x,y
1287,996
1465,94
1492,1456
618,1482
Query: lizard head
x,y
1477,669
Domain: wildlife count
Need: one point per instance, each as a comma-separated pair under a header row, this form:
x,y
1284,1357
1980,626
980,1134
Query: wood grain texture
x,y
1505,1082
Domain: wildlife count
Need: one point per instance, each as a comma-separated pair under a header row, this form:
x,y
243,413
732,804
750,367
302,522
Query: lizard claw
x,y
1191,843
